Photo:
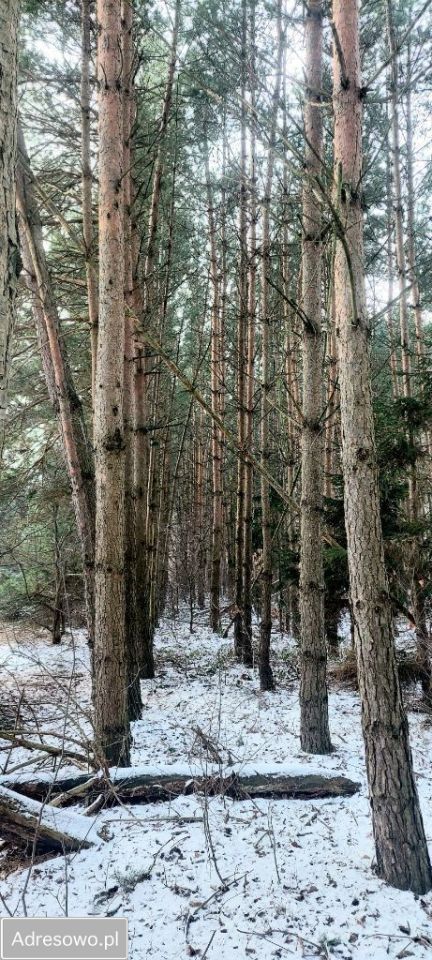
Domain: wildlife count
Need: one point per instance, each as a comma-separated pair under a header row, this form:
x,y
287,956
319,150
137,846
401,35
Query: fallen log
x,y
132,786
48,828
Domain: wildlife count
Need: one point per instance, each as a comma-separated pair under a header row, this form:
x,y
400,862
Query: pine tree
x,y
401,848
110,652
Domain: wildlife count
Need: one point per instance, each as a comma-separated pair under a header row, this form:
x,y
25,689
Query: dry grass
x,y
344,672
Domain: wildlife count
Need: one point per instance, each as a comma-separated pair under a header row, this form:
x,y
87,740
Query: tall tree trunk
x,y
217,387
390,267
9,255
411,231
291,380
314,726
133,666
242,643
66,402
140,464
58,625
414,554
199,508
398,206
411,225
250,343
87,182
162,409
110,655
331,407
401,849
265,671
141,458
146,453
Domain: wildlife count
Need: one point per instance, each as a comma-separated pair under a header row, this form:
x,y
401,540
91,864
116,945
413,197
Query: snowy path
x,y
212,877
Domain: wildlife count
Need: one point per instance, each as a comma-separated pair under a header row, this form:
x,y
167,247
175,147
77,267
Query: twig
x,y
45,747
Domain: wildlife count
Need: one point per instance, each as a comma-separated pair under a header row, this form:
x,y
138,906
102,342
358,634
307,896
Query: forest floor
x,y
213,877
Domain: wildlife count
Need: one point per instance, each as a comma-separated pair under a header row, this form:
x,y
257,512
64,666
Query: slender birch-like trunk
x,y
314,726
110,651
401,848
9,254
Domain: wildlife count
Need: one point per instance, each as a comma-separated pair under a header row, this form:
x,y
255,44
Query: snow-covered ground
x,y
213,877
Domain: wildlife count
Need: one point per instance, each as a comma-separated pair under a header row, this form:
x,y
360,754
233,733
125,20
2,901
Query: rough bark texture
x,y
314,728
9,255
67,405
110,660
401,849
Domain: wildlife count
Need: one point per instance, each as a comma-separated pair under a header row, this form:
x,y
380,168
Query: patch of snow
x,y
258,879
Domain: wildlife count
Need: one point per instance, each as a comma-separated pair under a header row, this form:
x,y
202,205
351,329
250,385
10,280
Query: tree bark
x,y
314,726
401,849
9,254
110,654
